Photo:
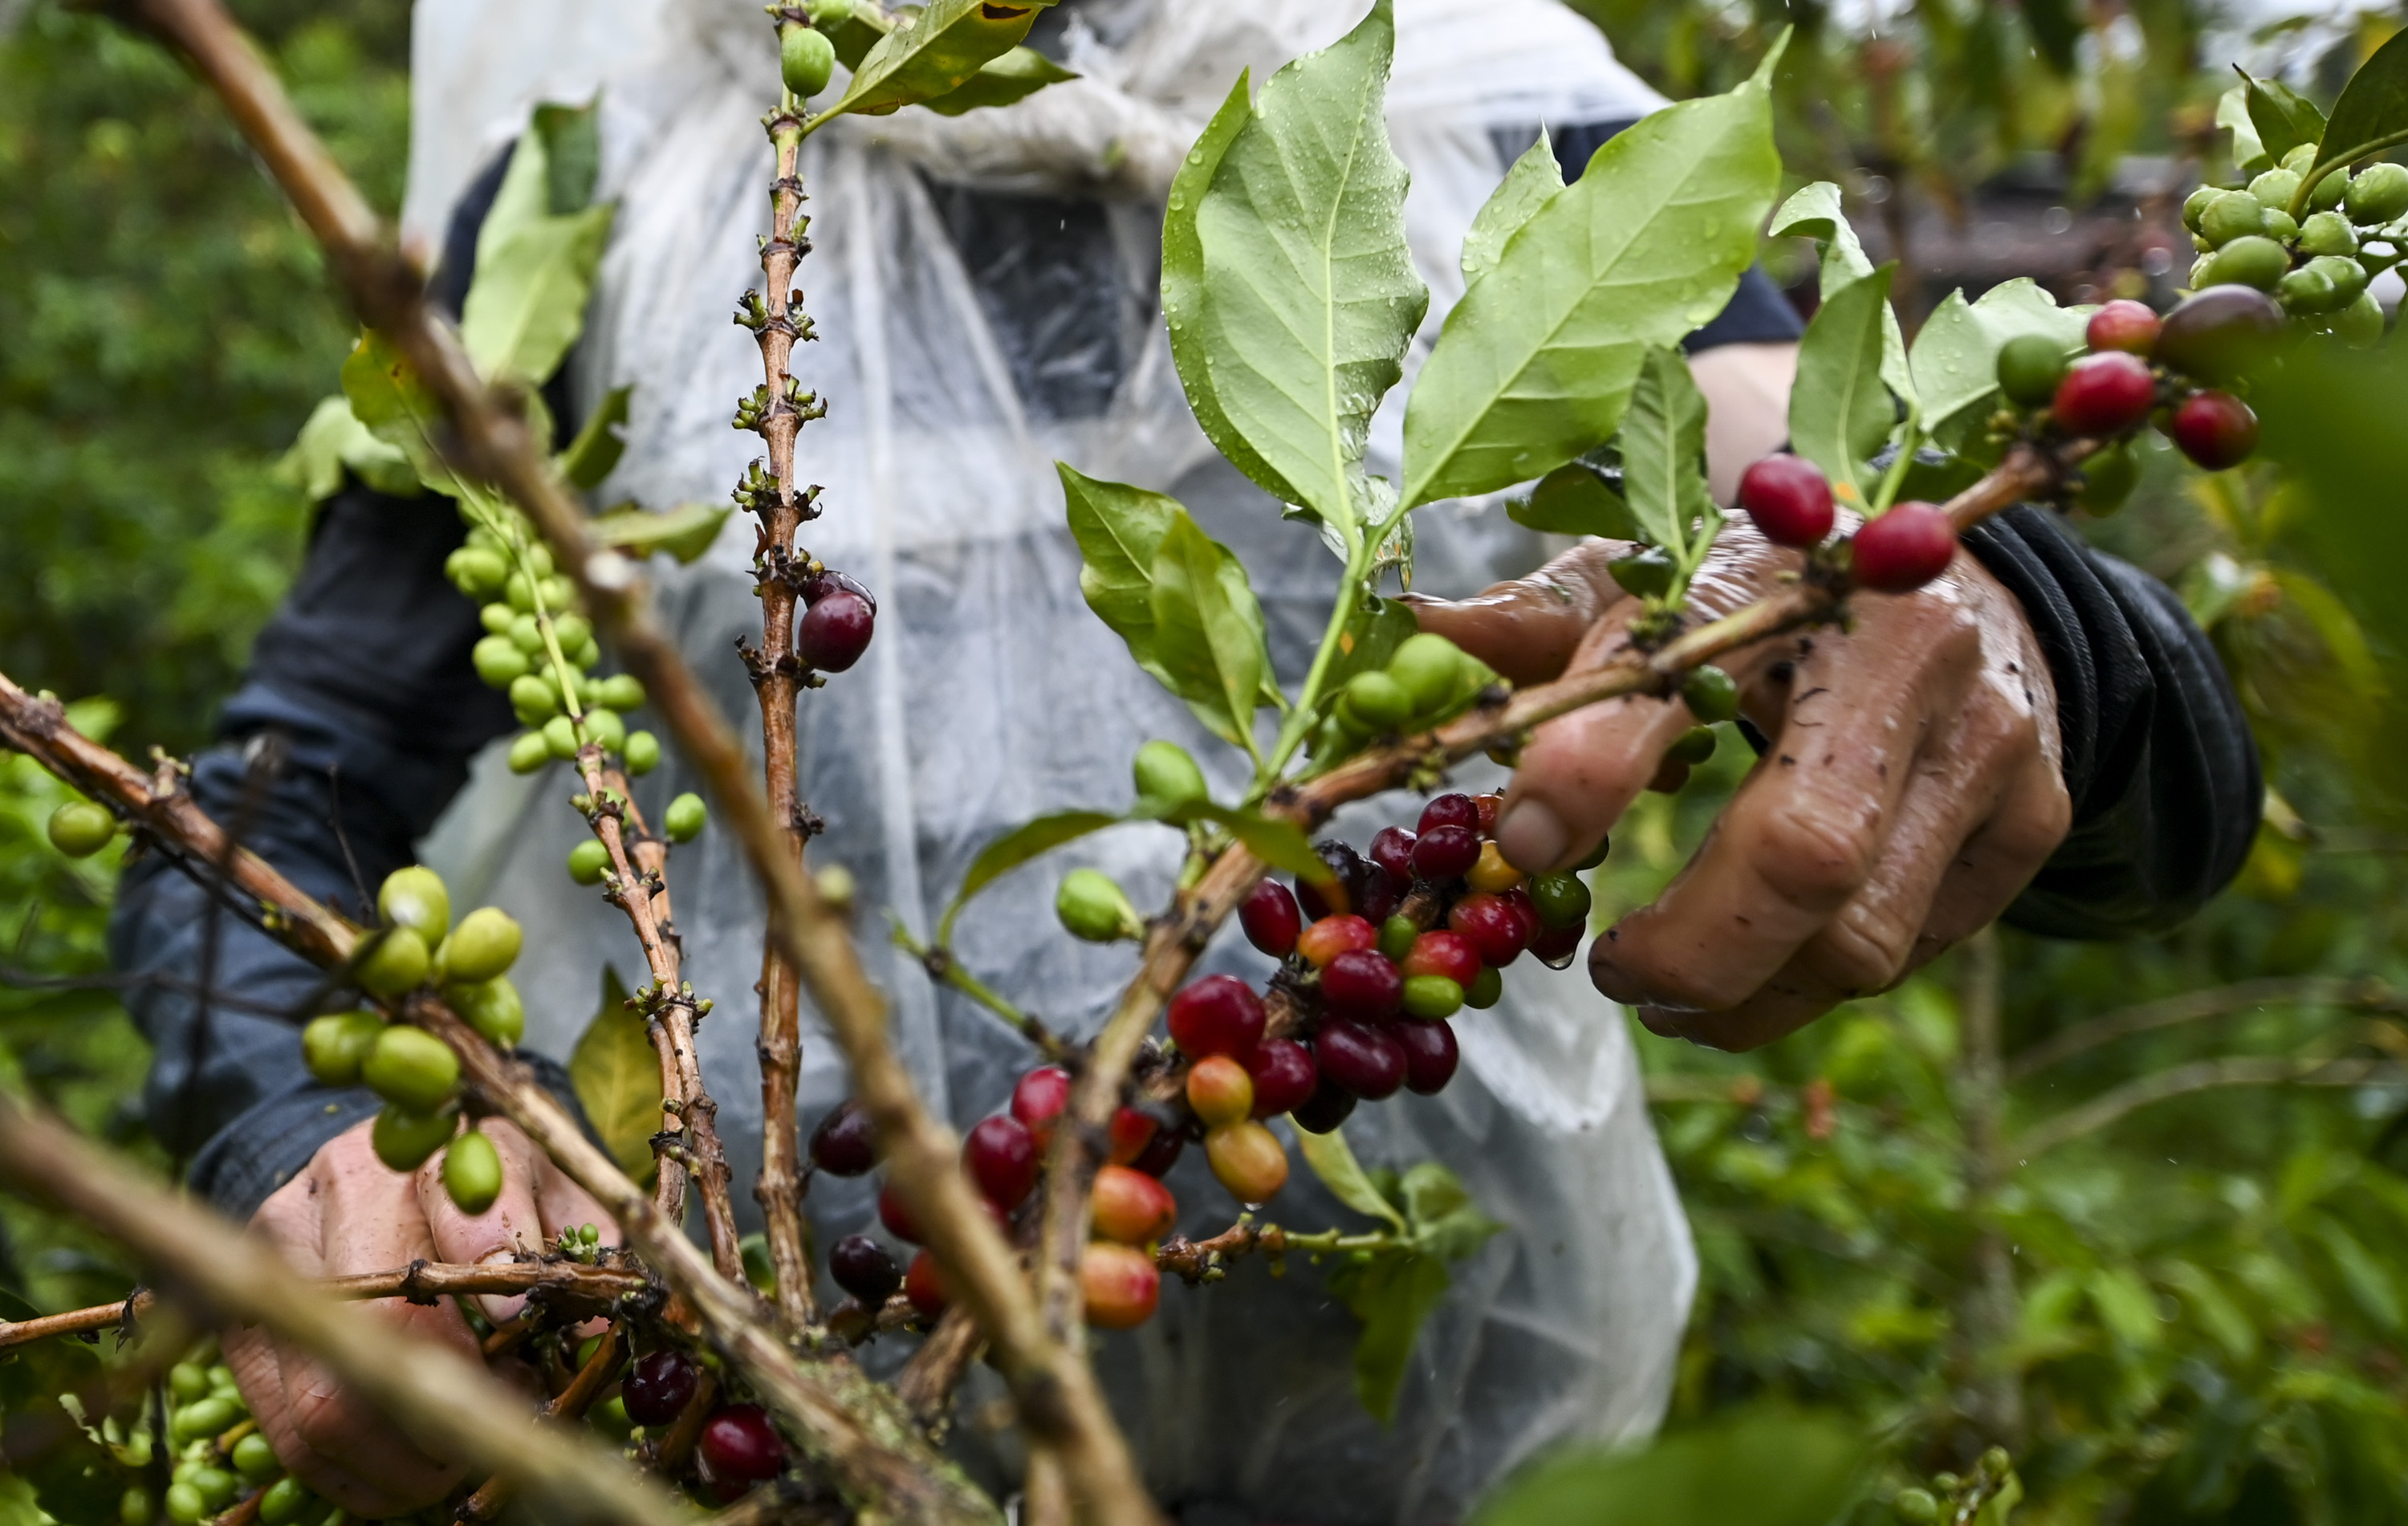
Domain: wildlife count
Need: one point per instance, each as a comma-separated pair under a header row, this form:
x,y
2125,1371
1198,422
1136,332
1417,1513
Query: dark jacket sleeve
x,y
2159,759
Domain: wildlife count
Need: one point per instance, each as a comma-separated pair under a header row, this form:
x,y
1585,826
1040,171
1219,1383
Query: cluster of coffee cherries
x,y
1956,1497
2317,265
415,1073
218,1456
737,1446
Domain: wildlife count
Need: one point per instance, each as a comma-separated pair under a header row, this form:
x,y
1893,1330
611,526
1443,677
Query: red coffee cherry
x,y
1493,925
1119,1284
833,632
2104,394
1376,896
2123,324
739,1443
1430,1056
1284,1076
1446,852
1391,849
1269,916
1442,953
1451,810
1490,805
845,1143
1334,935
924,1285
1219,1015
1329,1105
1361,983
862,1267
1039,1098
1160,1154
659,1386
1133,1134
2215,429
1129,1206
897,1218
1789,498
1001,1158
1905,548
1556,947
1363,1059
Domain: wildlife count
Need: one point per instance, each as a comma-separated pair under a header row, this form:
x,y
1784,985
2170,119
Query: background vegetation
x,y
2186,1309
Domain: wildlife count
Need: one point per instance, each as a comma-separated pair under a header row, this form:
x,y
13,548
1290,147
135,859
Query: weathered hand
x,y
348,1213
1911,790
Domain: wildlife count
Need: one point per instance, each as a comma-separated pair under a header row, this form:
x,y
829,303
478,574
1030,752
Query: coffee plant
x,y
1291,301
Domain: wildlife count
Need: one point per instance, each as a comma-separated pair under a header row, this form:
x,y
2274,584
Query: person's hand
x,y
1911,790
348,1213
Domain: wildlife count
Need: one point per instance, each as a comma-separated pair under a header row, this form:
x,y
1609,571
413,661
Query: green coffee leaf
x,y
2373,112
1530,184
527,305
1575,498
1664,456
2249,155
1798,1470
933,52
1017,847
2057,31
1017,74
2284,119
70,1473
1815,213
1999,1509
1956,355
1394,1295
598,445
1308,296
1119,528
1536,363
684,532
1333,1160
389,399
572,155
332,440
617,1074
1374,628
2369,1282
1840,411
1446,1223
1279,843
1208,630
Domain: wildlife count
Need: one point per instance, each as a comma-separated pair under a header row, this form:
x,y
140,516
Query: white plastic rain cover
x,y
968,339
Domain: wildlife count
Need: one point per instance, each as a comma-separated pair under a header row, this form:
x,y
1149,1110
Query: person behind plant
x,y
2040,733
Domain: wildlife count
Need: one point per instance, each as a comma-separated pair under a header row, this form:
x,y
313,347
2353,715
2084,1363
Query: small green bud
x,y
255,1460
2378,195
1430,668
1996,1462
1710,694
1485,990
605,728
402,1140
622,692
498,661
588,861
493,1008
2030,368
2229,215
643,753
1561,898
2249,261
1095,909
472,1173
685,817
80,828
1432,998
2328,233
529,753
1643,575
333,1045
411,1068
533,699
284,1503
805,59
1379,701
415,897
1398,935
397,963
1167,777
485,944
836,886
560,735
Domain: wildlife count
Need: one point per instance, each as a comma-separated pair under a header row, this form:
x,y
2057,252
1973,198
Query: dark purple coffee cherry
x,y
1329,1107
1391,849
1451,810
833,632
1363,1059
1446,852
1430,1056
862,1267
659,1386
845,1143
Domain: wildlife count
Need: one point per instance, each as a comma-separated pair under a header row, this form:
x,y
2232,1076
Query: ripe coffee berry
x,y
1488,805
862,1267
1451,810
1133,1132
1492,925
1554,946
1391,849
1329,1105
1131,1207
2219,331
1336,897
1486,991
1248,1159
833,632
1362,985
1334,935
739,1443
1161,1152
1905,548
1442,953
845,1143
2104,394
1431,1057
1377,894
1789,498
2214,429
659,1386
924,1285
1001,1157
1039,1098
1269,916
1362,1058
2122,324
1446,853
1119,1284
1219,1015
1284,1077
1220,1090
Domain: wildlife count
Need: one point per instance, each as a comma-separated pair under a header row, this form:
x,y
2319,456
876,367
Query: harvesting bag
x,y
985,291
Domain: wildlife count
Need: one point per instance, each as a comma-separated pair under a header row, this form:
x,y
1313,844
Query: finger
x,y
1529,629
511,1226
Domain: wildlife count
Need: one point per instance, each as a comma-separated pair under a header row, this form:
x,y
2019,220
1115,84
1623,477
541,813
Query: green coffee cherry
x,y
203,1417
493,1008
1167,777
1430,668
2108,478
2347,276
1562,899
2195,204
529,753
1432,998
1485,990
533,699
2279,226
2329,190
2308,291
402,1140
333,1045
827,15
2328,233
80,828
1694,746
2229,215
2275,188
587,861
1916,1506
685,817
475,571
498,661
604,729
187,1382
472,1173
411,1068
520,592
397,963
2378,195
622,692
135,1507
496,619
217,1485
1710,694
2360,323
1398,935
574,631
284,1503
415,897
560,735
1379,701
2251,260
1643,575
485,944
185,1507
642,753
1093,908
2030,368
805,59
527,635
256,1459
2300,159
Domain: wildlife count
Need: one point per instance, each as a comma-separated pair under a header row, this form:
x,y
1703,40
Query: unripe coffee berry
x,y
1485,990
827,15
1001,1157
414,897
1248,1159
2104,395
402,1140
472,1173
1167,777
2215,429
2122,324
398,963
1396,935
805,59
1431,998
254,1457
1710,694
1905,548
1562,899
1334,935
410,1068
1430,668
498,661
493,1007
864,1268
333,1045
643,753
1220,1091
1491,873
1362,1058
485,944
1378,701
833,632
560,735
1431,1054
2328,233
80,828
1284,1076
588,862
685,817
2254,261
1219,1015
1789,498
1445,853
1362,983
2216,334
845,1143
529,753
1646,573
2377,194
2108,478
1439,952
2030,366
1094,909
2230,215
659,1386
739,1443
1131,1207
1119,1284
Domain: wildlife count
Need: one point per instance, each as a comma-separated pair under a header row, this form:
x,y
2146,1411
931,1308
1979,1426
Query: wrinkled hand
x,y
348,1213
1912,786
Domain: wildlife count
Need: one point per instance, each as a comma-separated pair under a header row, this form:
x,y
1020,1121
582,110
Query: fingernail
x,y
1532,837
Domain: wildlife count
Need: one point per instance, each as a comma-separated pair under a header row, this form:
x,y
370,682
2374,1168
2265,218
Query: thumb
x,y
1529,629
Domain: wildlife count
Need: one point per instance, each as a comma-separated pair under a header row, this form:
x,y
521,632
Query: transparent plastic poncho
x,y
991,694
